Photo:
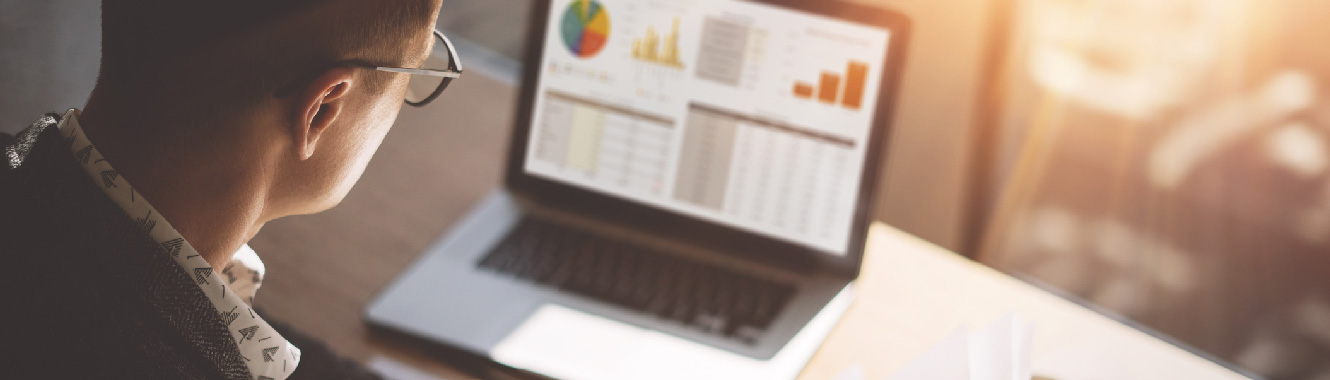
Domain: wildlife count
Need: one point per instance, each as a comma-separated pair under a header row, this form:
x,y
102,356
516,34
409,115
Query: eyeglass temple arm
x,y
433,73
454,63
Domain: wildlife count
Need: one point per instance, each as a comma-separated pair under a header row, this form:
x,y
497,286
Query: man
x,y
123,225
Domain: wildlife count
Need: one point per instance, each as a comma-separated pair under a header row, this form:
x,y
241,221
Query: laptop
x,y
687,195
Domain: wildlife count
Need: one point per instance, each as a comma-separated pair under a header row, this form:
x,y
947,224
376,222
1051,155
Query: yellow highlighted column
x,y
584,140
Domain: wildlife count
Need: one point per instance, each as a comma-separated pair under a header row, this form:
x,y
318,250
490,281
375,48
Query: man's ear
x,y
318,107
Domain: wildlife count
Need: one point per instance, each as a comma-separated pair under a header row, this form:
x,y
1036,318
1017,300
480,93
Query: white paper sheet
x,y
1000,351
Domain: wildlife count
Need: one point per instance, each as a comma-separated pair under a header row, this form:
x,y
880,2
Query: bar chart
x,y
831,89
653,49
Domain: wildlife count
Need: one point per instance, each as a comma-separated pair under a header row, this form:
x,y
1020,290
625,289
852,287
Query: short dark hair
x,y
140,35
136,31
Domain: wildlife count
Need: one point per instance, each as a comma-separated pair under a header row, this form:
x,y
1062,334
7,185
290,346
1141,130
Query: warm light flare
x,y
1129,58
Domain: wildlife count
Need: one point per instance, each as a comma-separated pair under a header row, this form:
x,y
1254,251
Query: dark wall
x,y
49,52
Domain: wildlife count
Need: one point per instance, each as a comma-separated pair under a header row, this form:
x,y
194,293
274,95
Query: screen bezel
x,y
743,244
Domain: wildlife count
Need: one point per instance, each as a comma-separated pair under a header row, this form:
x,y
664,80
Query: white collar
x,y
266,353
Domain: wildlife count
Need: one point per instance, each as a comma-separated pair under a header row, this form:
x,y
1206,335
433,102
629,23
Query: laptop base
x,y
447,298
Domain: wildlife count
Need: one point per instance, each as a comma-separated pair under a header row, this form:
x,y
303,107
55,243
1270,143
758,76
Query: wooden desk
x,y
439,161
912,294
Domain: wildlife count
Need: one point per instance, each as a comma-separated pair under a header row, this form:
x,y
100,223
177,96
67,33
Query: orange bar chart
x,y
856,73
831,89
828,87
803,90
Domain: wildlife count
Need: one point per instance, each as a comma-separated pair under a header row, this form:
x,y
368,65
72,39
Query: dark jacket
x,y
87,294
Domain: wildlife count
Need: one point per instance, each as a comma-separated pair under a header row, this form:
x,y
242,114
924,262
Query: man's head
x,y
263,89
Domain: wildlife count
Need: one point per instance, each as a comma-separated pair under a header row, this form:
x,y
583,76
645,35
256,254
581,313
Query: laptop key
x,y
661,306
709,322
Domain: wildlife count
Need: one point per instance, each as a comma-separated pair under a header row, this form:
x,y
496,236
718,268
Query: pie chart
x,y
586,28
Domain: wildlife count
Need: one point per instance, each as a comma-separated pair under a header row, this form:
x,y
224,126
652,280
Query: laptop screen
x,y
742,114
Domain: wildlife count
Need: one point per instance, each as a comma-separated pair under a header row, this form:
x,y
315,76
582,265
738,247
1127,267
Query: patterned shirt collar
x,y
267,354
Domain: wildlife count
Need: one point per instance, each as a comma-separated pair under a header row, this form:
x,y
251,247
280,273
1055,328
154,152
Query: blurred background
x,y
1164,161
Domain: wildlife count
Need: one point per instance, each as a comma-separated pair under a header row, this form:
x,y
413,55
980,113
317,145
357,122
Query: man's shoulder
x,y
43,220
17,203
8,184
31,175
87,273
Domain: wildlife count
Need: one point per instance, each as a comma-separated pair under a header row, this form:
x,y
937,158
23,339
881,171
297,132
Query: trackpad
x,y
568,344
561,342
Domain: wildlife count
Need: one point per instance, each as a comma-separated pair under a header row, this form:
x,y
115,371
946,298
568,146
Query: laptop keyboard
x,y
710,298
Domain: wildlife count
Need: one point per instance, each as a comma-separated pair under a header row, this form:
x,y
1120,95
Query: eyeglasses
x,y
433,77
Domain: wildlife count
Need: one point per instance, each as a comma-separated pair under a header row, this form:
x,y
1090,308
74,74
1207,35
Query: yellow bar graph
x,y
650,48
